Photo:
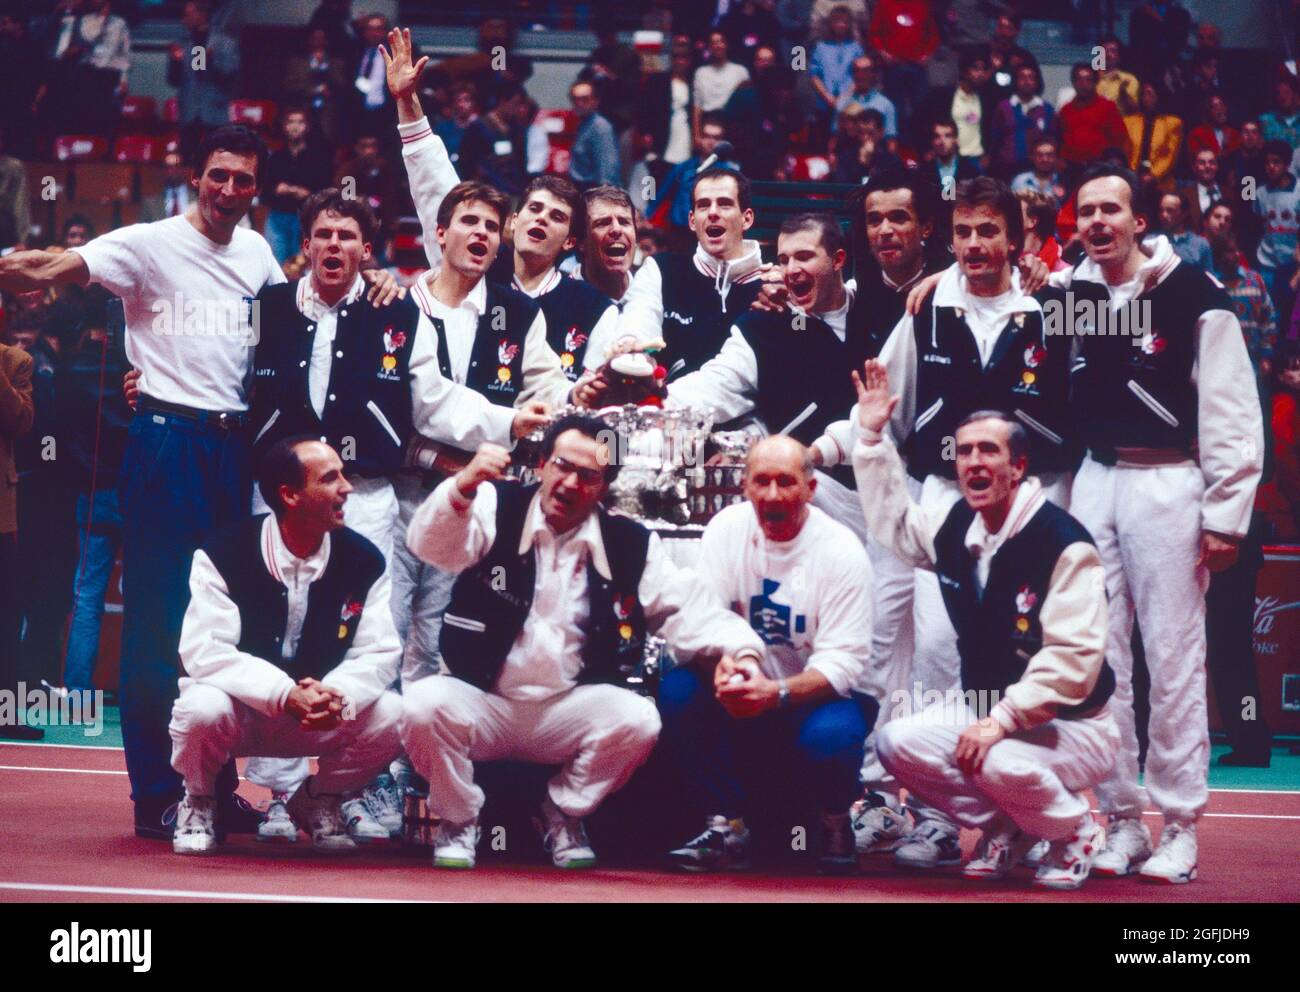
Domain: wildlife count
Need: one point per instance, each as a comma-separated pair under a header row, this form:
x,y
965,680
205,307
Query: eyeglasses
x,y
586,476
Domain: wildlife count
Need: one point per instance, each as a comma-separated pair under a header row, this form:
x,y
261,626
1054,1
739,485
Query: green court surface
x,y
1284,774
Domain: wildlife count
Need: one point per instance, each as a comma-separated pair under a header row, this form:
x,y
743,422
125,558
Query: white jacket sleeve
x,y
1229,423
643,313
894,520
209,645
451,532
1065,669
371,663
680,607
446,411
543,374
431,175
726,384
602,339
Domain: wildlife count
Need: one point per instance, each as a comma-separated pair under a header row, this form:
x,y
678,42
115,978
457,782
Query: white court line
x,y
79,747
108,890
77,771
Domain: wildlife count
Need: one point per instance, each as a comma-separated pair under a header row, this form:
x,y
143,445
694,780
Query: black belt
x,y
208,418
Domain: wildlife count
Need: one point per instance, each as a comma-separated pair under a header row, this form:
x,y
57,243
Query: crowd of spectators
x,y
826,91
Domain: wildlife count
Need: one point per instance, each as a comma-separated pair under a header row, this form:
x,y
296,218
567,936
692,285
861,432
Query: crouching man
x,y
288,647
745,736
1026,592
552,607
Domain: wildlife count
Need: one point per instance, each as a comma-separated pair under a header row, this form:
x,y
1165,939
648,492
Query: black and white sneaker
x,y
724,846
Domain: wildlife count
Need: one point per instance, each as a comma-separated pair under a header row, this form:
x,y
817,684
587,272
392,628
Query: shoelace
x,y
381,799
706,839
933,833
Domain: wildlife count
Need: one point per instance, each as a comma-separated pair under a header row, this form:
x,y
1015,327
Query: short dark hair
x,y
892,178
970,54
943,122
469,191
78,220
588,426
743,195
1081,67
715,118
985,191
605,193
1042,210
1017,436
1280,148
234,138
332,200
281,466
872,114
1104,170
1032,67
564,191
508,89
825,224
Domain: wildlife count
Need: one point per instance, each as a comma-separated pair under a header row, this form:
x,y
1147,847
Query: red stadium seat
x,y
80,147
140,110
811,168
561,126
254,113
139,148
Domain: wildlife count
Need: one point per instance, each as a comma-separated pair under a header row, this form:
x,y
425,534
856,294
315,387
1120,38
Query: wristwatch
x,y
782,694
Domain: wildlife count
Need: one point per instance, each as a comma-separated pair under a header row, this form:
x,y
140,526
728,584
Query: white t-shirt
x,y
187,302
714,84
809,599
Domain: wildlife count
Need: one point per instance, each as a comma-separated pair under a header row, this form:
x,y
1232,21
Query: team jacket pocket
x,y
464,623
373,407
1153,404
1039,426
929,415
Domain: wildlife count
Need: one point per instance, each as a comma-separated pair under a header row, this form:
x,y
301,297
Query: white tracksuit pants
x,y
370,510
1036,777
1147,525
209,727
936,665
420,591
601,733
891,634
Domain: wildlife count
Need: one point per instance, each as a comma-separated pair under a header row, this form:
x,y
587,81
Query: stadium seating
x,y
80,147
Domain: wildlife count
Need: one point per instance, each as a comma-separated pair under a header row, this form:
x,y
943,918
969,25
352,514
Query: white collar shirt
x,y
983,545
323,332
460,323
296,575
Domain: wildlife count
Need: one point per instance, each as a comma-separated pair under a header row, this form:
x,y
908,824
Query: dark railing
x,y
773,202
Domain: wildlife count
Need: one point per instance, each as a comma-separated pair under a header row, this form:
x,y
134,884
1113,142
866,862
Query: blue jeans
x,y
181,481
98,548
810,753
284,234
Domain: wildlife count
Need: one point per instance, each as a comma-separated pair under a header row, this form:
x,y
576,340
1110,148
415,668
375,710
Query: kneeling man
x,y
288,647
797,724
1026,592
548,617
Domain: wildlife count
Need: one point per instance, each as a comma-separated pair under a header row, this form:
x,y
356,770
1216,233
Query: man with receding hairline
x,y
798,721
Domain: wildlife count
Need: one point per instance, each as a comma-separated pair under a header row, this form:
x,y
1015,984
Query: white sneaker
x,y
277,827
838,852
196,825
362,827
1035,856
1069,860
929,845
1128,844
454,845
564,837
383,799
1003,846
321,818
1175,858
878,823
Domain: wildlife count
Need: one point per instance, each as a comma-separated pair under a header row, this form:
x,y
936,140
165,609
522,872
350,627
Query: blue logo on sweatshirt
x,y
772,620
